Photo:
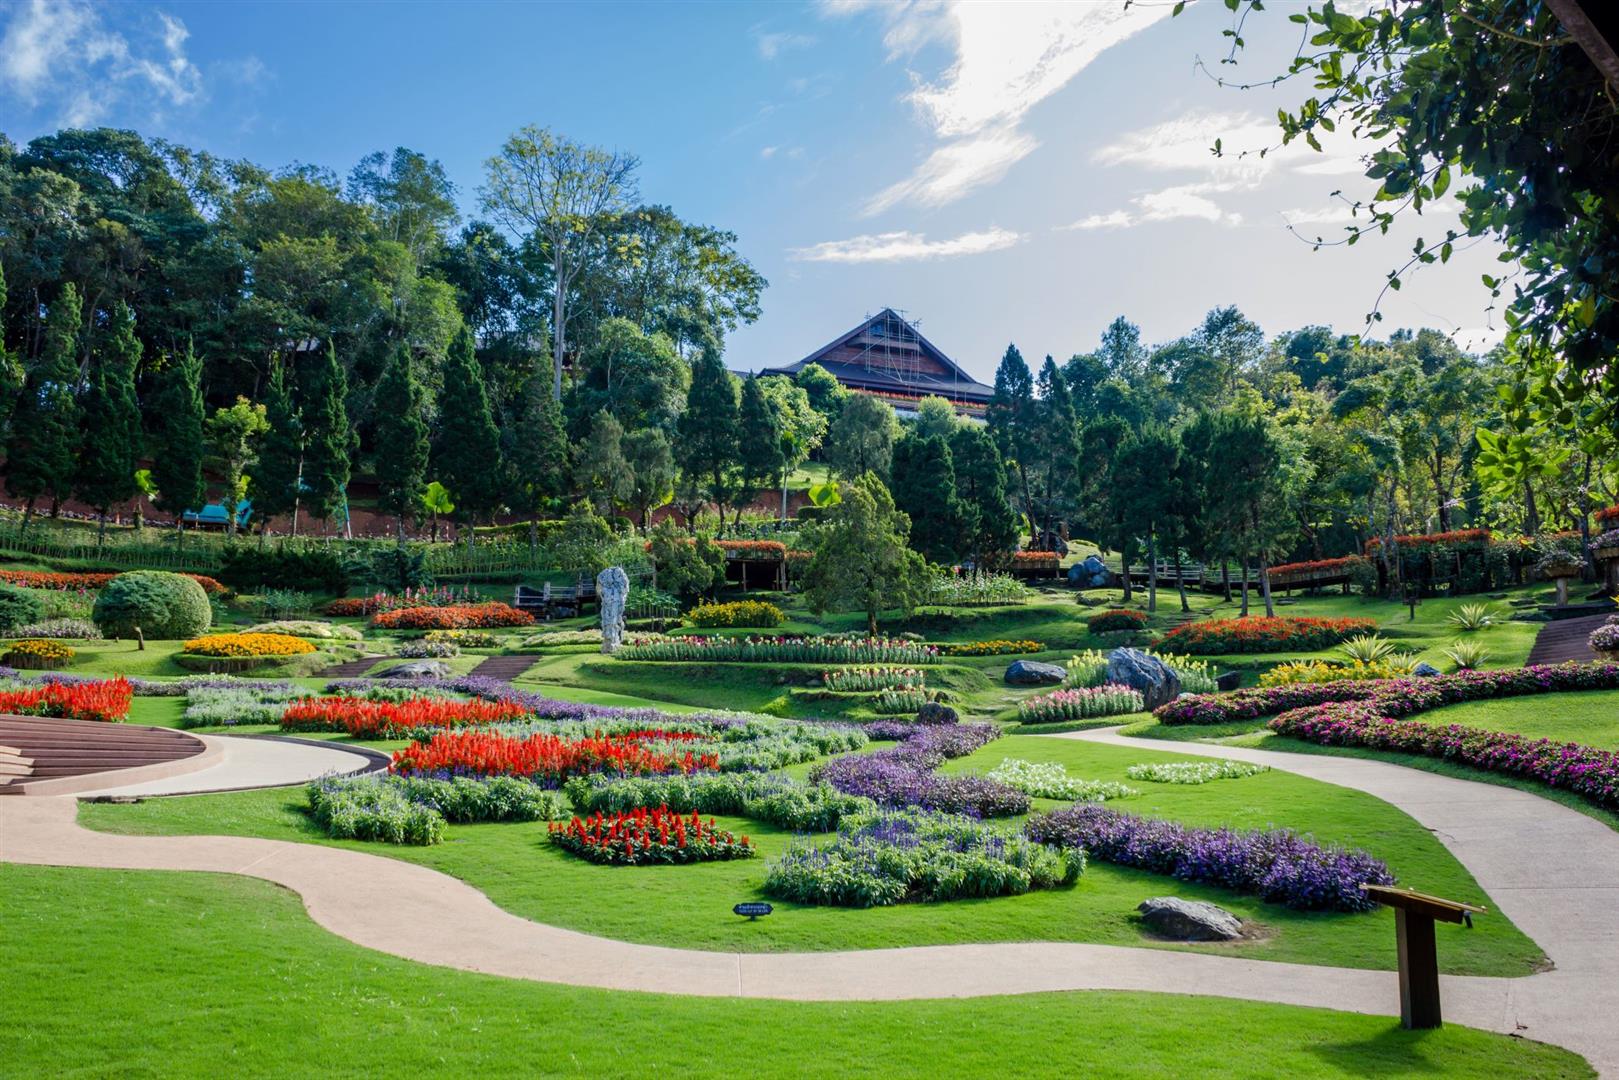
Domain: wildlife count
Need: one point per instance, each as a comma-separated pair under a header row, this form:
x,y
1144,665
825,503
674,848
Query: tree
x,y
177,441
862,560
44,445
466,456
328,439
803,429
637,377
233,435
1121,353
1056,445
826,394
1100,494
1145,475
12,376
1245,489
652,471
925,489
402,444
113,434
980,476
936,416
688,566
600,470
562,192
1011,417
862,438
538,453
708,431
759,444
275,484
437,502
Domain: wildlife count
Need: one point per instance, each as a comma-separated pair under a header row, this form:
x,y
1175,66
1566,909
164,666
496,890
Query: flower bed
x,y
1604,639
38,654
549,759
889,857
870,680
1324,671
899,702
977,588
232,645
1116,620
1050,780
1194,772
1291,573
443,596
783,650
452,617
1454,538
44,579
772,797
106,700
1109,699
904,775
422,649
1279,866
233,706
306,628
363,719
552,638
995,647
69,629
736,613
1255,634
414,809
1089,668
469,639
642,837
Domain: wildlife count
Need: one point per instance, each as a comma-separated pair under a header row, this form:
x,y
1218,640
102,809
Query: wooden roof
x,y
886,352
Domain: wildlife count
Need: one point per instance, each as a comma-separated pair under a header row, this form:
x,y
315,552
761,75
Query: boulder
x,y
612,590
1143,672
1034,673
1425,670
417,669
1090,573
1228,680
1189,920
937,712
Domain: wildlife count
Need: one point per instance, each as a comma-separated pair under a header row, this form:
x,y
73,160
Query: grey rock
x,y
1189,920
612,589
1034,673
937,712
417,669
1090,573
1227,680
1425,670
1155,680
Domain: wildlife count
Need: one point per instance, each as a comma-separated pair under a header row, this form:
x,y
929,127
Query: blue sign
x,y
753,911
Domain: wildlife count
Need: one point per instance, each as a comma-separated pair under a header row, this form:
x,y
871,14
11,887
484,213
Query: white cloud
x,y
772,45
1008,59
60,52
795,153
1170,204
906,247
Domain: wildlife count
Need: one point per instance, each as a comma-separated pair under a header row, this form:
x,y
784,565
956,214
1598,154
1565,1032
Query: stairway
x,y
504,668
350,669
44,748
1564,640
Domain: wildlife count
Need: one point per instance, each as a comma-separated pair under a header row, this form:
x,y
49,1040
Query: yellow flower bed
x,y
1323,671
248,645
37,653
996,647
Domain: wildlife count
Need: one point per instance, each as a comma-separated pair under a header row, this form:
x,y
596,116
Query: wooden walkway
x,y
504,668
34,748
1564,640
350,669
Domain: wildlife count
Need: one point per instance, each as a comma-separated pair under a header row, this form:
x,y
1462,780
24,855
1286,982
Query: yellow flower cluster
x,y
38,652
996,647
1323,671
468,639
248,645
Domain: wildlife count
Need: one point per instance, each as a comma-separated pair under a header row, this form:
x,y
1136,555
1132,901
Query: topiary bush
x,y
18,608
164,606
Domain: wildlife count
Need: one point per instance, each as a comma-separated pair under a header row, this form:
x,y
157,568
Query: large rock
x,y
1034,673
1143,672
612,590
1090,573
1425,670
417,669
936,712
1189,920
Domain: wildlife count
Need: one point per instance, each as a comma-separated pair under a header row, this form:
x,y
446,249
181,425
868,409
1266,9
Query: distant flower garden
x,y
736,613
452,617
46,579
1261,634
994,647
241,645
381,601
789,650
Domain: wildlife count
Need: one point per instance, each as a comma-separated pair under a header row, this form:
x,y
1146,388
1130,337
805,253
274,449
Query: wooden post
x,y
1414,915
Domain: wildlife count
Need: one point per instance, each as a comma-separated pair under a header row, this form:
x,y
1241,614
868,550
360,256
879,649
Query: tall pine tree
x,y
274,485
759,448
925,488
113,433
328,439
466,458
42,454
11,371
402,445
1056,440
980,474
537,453
707,431
1011,417
177,439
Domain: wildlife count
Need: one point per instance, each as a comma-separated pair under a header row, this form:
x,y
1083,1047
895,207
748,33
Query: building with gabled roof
x,y
887,357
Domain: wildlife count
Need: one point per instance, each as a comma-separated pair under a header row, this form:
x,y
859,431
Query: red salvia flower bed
x,y
1258,634
548,758
643,836
1455,536
106,700
1317,566
453,617
393,719
41,579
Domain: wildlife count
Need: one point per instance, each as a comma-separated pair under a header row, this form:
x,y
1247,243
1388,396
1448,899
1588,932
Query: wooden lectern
x,y
1414,915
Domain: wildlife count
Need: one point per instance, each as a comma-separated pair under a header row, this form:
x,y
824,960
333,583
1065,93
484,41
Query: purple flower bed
x,y
904,775
1582,769
1393,697
154,687
1279,866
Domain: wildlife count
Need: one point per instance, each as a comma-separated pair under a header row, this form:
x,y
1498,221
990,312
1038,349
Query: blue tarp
x,y
214,514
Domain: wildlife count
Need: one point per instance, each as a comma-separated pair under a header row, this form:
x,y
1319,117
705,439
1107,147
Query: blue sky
x,y
1002,172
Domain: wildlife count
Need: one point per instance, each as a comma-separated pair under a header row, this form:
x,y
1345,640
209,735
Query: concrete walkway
x,y
255,761
1554,871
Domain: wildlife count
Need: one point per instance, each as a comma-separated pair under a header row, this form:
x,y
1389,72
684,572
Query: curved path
x,y
1553,870
254,761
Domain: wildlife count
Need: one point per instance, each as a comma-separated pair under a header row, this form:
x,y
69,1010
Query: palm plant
x,y
1467,655
1367,648
1471,617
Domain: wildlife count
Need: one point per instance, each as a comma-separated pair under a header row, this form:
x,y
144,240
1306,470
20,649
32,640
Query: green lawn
x,y
1591,717
203,975
690,906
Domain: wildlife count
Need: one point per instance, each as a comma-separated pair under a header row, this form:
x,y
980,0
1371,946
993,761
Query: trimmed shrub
x,y
736,613
18,608
164,606
1110,622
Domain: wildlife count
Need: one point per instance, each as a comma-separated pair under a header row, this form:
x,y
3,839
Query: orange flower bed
x,y
49,579
1319,567
454,617
230,645
393,719
106,700
1454,537
1259,634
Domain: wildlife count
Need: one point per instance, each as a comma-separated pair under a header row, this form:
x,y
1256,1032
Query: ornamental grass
x,y
1279,866
362,719
414,809
548,759
1254,634
1109,699
783,650
38,654
452,617
644,837
231,645
106,700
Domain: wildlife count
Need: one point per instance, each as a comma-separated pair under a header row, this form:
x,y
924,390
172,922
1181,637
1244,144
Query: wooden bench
x,y
555,601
